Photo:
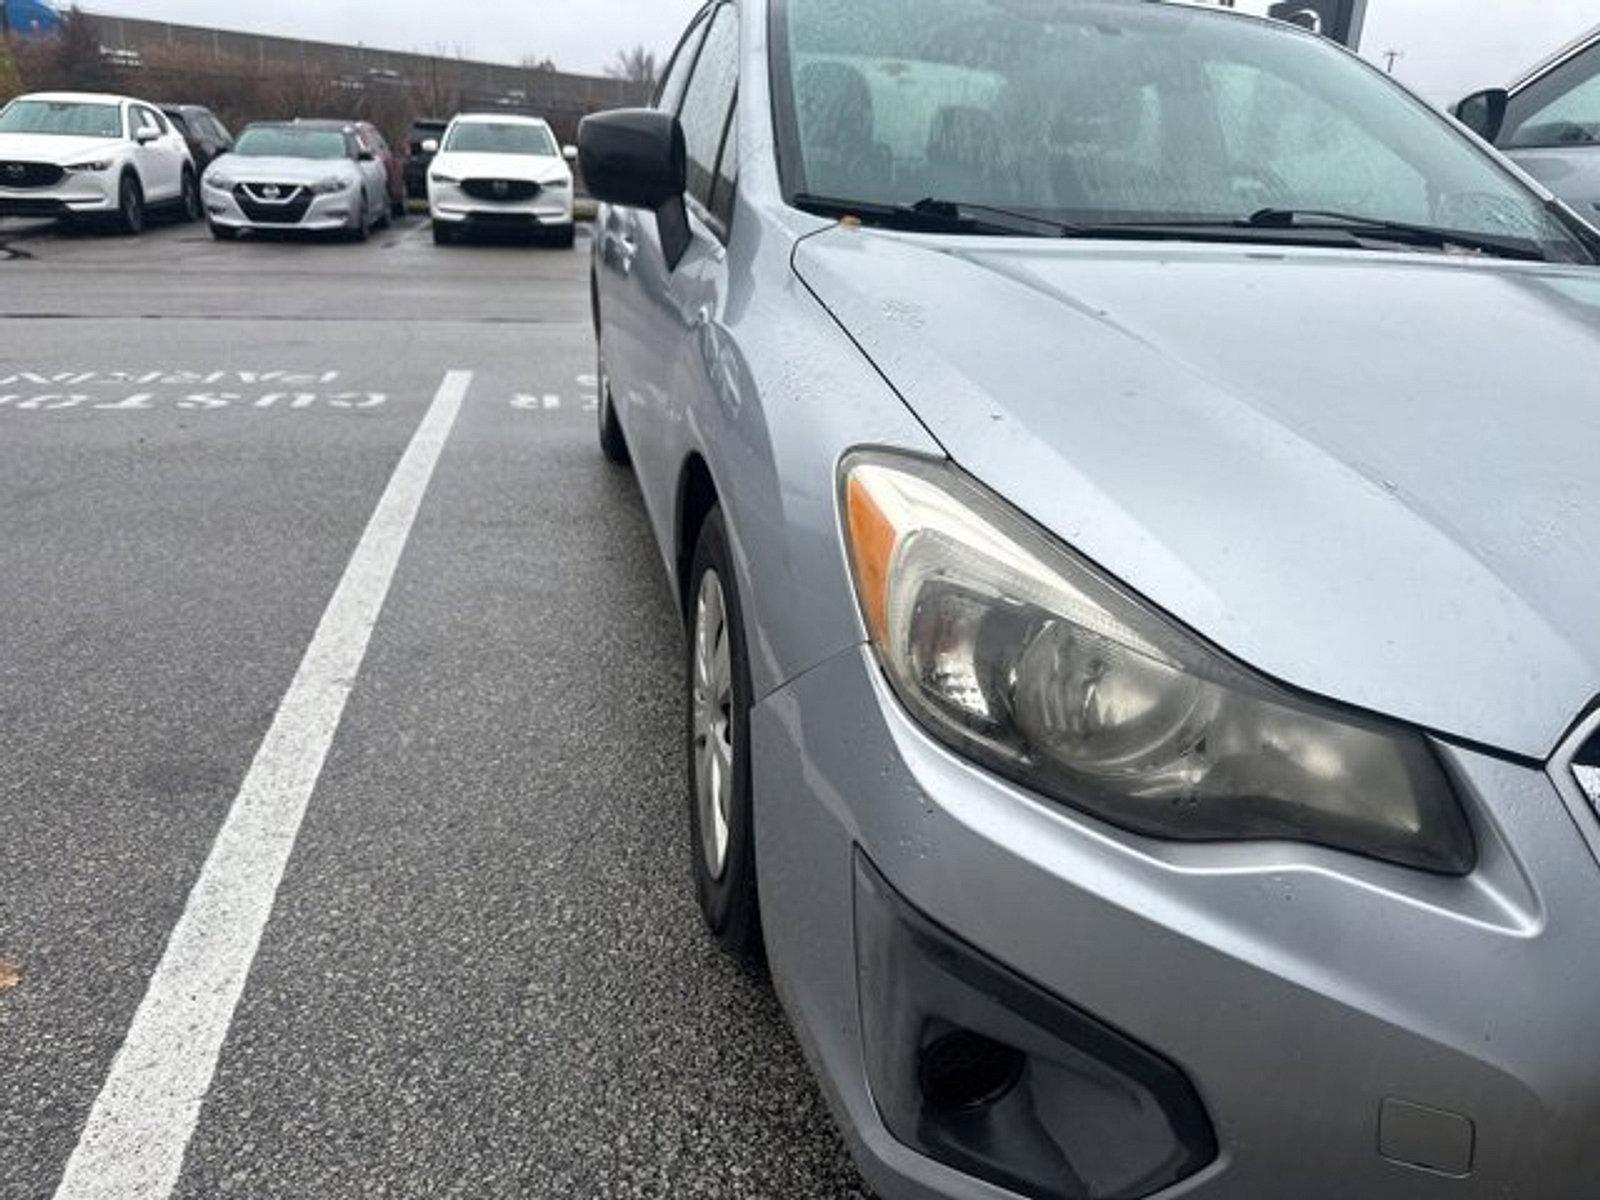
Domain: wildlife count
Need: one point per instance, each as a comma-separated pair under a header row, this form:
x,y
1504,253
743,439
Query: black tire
x,y
189,207
130,206
223,233
363,230
730,903
612,444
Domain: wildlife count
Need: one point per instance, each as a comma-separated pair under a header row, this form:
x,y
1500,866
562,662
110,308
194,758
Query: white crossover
x,y
79,156
501,172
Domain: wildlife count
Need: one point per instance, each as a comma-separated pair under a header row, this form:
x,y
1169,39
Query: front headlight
x,y
88,168
440,177
219,182
1022,656
333,185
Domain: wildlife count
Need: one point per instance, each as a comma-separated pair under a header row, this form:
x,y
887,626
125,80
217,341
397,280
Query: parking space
x,y
483,973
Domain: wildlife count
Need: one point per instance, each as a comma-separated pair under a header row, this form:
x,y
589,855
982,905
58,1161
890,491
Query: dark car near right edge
x,y
422,143
1129,475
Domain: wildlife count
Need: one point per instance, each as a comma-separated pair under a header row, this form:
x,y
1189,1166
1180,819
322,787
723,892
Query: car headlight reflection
x,y
1022,656
88,168
333,185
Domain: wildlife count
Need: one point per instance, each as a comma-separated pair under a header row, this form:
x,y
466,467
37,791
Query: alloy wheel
x,y
713,722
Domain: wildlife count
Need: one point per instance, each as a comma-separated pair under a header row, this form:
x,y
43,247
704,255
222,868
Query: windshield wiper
x,y
933,215
1396,231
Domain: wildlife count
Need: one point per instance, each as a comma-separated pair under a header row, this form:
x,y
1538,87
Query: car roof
x,y
83,98
317,123
493,118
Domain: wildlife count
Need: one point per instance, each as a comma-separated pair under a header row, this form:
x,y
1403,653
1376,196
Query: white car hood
x,y
52,148
536,168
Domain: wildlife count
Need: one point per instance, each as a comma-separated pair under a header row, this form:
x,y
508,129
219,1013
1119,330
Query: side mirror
x,y
366,156
634,157
146,135
431,146
1485,113
570,153
637,158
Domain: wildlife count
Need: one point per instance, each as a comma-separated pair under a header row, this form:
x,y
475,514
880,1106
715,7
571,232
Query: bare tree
x,y
638,65
532,62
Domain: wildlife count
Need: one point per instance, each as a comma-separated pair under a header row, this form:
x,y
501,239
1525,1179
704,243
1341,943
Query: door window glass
x,y
1563,109
723,190
677,76
706,103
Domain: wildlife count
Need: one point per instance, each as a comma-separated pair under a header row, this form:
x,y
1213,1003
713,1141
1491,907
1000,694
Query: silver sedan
x,y
1129,473
307,176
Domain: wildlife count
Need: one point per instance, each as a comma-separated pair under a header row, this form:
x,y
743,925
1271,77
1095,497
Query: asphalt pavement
x,y
483,974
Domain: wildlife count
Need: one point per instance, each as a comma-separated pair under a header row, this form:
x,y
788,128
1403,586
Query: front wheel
x,y
189,200
721,810
363,227
612,444
130,206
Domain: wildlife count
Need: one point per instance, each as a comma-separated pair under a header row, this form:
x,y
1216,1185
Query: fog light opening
x,y
965,1071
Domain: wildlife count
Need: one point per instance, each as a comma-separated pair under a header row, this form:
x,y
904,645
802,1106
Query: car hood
x,y
241,169
533,168
1573,174
1374,477
51,148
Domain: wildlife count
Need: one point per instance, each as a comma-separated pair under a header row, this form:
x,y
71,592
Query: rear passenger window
x,y
677,77
707,103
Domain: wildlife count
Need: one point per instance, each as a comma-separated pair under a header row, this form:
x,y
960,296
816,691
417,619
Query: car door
x,y
681,302
161,160
628,262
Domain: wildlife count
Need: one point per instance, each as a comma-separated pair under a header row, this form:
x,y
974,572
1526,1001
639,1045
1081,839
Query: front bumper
x,y
1349,1028
81,193
323,214
551,208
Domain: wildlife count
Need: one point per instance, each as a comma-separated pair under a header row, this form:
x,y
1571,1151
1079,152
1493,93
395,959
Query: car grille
x,y
30,175
500,189
1587,768
273,203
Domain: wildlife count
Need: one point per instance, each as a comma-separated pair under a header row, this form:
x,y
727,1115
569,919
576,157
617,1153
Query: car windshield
x,y
490,137
1100,112
64,117
285,141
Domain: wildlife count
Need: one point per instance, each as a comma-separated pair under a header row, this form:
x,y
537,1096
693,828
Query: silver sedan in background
x,y
1129,474
308,176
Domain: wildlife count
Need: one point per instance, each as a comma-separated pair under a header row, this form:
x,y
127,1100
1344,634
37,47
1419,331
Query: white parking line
x,y
133,1144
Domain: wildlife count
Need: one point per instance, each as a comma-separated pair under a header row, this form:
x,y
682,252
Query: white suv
x,y
80,156
501,172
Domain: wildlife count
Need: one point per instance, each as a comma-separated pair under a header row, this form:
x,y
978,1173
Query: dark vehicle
x,y
204,134
393,169
1549,123
422,143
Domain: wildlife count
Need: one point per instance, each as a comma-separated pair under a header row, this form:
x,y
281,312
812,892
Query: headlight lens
x,y
220,182
439,177
88,168
332,185
1019,654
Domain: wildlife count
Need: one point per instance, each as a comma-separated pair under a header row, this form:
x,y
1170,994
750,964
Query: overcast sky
x,y
1451,47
